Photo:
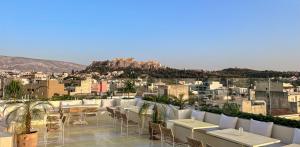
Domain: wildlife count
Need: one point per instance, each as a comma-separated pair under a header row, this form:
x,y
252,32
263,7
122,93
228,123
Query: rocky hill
x,y
133,68
125,63
29,64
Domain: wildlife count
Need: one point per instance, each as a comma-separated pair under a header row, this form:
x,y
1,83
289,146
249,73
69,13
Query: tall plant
x,y
129,87
180,101
160,111
144,109
14,89
231,108
24,111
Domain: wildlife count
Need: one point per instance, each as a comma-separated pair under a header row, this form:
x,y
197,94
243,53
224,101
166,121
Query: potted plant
x,y
159,114
21,115
181,103
156,119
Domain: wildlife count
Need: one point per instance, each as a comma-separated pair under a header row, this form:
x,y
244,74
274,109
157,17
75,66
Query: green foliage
x,y
192,100
23,112
160,107
158,99
155,114
144,109
176,101
14,89
268,118
129,87
231,108
63,97
179,101
79,97
170,73
128,98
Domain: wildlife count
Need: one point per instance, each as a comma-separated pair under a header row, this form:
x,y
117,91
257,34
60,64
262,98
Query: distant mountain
x,y
29,64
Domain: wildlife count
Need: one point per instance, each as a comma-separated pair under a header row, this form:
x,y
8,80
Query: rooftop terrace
x,y
101,129
102,135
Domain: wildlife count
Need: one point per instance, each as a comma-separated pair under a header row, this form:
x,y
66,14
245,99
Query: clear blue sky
x,y
200,34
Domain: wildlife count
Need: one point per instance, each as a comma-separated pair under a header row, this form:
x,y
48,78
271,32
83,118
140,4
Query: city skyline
x,y
208,35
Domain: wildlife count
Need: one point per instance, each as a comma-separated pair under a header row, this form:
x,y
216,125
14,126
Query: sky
x,y
194,34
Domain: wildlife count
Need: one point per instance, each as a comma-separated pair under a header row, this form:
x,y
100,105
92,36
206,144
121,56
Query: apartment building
x,y
273,94
100,87
254,107
84,88
174,90
45,89
209,85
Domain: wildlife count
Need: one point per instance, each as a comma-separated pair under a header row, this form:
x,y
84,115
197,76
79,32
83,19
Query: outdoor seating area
x,y
129,122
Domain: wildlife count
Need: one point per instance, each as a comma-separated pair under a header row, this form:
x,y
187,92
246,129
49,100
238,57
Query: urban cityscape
x,y
192,73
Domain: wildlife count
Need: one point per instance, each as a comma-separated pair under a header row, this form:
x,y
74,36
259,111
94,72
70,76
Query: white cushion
x,y
71,102
261,128
127,103
140,103
89,102
171,112
55,104
136,100
92,102
107,103
296,138
227,122
151,107
198,115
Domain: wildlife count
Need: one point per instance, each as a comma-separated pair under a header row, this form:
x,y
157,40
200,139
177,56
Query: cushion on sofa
x,y
198,115
227,122
71,102
89,102
296,138
127,103
171,112
261,128
107,103
140,103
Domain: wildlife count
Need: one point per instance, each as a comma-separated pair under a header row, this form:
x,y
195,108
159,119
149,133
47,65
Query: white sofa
x,y
92,102
283,133
70,102
107,103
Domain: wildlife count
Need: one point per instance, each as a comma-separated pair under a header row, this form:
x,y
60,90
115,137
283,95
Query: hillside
x,y
154,69
29,64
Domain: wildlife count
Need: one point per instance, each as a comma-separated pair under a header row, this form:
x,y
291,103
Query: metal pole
x,y
270,100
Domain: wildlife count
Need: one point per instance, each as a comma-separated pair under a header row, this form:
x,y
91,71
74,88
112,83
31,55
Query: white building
x,y
214,85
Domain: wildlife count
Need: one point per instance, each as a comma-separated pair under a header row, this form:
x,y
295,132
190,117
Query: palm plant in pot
x,y
159,114
20,116
179,101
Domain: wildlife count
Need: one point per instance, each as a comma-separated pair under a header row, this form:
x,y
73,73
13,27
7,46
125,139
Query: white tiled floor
x,y
103,135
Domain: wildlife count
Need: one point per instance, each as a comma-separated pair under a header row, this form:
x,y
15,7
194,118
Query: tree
x,y
231,108
14,89
129,87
